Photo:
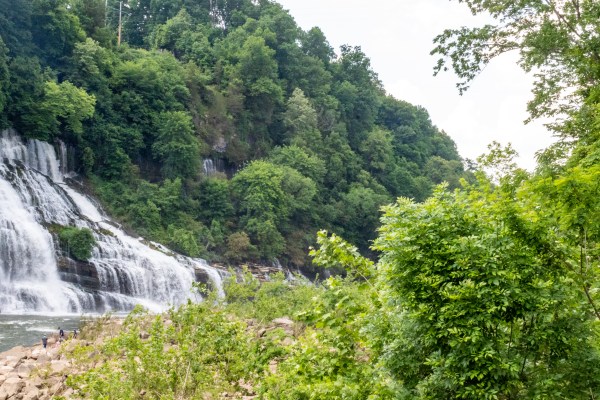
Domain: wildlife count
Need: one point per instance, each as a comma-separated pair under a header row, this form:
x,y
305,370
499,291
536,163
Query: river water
x,y
26,330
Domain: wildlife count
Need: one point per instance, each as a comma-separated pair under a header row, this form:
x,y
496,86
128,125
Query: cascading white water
x,y
212,167
125,270
35,154
28,274
208,166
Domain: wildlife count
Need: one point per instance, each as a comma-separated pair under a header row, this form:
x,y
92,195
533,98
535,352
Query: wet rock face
x,y
80,273
202,277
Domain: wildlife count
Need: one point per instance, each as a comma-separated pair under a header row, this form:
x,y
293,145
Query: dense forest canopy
x,y
308,134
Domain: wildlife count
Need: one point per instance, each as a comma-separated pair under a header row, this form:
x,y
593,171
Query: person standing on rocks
x,y
61,334
44,341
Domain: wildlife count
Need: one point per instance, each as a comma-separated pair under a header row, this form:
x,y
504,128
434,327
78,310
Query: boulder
x,y
12,375
18,351
283,322
5,370
202,276
15,359
37,381
273,366
59,366
43,359
36,353
30,392
24,370
11,387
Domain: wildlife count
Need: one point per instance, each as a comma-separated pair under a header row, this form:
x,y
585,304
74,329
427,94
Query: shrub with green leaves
x,y
247,297
77,242
485,308
194,351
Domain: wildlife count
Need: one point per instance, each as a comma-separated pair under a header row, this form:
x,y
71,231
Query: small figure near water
x,y
61,334
75,333
44,341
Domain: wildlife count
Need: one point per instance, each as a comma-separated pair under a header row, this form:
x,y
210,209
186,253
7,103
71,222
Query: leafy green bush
x,y
77,242
196,351
265,301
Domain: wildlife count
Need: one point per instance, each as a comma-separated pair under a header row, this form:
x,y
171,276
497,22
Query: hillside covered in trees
x,y
488,291
304,137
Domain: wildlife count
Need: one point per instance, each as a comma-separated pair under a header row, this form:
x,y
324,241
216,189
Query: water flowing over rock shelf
x,y
35,278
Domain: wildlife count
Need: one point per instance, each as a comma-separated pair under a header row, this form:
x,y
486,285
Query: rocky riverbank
x,y
35,373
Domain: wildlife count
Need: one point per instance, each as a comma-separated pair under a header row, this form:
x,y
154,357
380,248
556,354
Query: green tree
x,y
92,17
377,150
300,119
26,92
267,197
66,107
485,311
258,191
15,27
184,39
55,30
214,200
359,214
570,202
91,66
440,170
239,247
295,157
258,71
358,90
314,43
176,146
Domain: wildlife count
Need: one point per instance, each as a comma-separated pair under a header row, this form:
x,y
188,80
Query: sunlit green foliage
x,y
75,242
66,106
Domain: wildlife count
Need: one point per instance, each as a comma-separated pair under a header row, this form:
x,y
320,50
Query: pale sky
x,y
397,36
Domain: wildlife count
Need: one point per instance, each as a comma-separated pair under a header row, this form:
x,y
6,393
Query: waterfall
x,y
208,166
28,274
122,272
63,160
212,167
35,154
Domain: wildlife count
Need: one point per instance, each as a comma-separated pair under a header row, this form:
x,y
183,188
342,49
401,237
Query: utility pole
x,y
120,11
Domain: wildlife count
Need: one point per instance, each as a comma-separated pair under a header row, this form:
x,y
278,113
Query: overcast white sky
x,y
397,36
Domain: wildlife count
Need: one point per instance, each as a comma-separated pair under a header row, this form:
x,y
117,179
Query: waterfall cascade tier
x,y
123,271
212,167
